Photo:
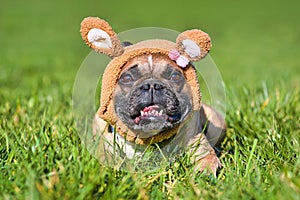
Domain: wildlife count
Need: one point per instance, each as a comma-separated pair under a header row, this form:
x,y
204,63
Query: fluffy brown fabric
x,y
199,37
94,22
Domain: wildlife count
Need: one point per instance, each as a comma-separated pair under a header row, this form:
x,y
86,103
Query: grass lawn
x,y
256,46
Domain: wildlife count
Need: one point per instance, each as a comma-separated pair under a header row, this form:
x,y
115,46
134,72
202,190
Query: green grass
x,y
256,47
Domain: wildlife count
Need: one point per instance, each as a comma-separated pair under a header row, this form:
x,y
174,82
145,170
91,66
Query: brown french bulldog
x,y
150,96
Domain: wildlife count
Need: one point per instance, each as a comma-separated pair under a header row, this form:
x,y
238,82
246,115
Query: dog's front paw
x,y
210,163
203,155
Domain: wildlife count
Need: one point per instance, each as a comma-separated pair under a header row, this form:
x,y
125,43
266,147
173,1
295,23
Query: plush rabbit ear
x,y
99,35
193,44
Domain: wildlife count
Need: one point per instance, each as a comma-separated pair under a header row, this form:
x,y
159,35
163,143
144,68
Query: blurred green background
x,y
253,41
256,46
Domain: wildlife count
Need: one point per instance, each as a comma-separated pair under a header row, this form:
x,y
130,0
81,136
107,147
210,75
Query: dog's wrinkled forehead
x,y
150,63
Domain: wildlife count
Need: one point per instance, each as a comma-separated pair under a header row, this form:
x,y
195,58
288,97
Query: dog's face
x,y
152,95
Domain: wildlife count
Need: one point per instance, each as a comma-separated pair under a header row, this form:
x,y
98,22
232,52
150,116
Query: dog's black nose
x,y
151,91
152,85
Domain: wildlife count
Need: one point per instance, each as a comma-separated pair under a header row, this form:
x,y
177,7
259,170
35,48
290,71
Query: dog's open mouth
x,y
154,114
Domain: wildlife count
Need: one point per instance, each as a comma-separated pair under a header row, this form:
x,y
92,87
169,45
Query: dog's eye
x,y
126,78
176,76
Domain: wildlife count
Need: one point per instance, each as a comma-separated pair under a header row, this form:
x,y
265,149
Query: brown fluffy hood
x,y
191,45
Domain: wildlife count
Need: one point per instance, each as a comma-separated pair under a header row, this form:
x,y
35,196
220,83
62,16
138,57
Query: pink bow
x,y
181,60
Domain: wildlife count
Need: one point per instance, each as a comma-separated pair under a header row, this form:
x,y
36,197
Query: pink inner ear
x,y
99,38
191,48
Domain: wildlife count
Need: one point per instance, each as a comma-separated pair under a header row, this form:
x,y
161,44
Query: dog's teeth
x,y
146,113
160,112
142,113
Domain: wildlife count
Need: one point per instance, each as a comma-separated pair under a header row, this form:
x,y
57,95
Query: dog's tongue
x,y
149,108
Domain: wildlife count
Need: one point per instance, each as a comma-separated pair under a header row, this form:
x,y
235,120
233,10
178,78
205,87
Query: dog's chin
x,y
153,120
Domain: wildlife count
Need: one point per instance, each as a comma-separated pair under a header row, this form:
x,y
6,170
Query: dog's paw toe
x,y
209,163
